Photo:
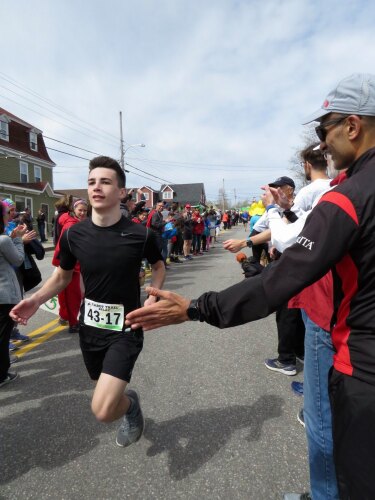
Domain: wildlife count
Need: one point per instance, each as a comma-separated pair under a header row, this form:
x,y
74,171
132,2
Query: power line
x,y
168,182
48,101
71,145
215,166
69,154
139,175
52,119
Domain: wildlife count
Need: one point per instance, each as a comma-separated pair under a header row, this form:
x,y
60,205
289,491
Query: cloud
x,y
221,83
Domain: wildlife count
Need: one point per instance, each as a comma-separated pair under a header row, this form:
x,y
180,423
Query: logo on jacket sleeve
x,y
305,242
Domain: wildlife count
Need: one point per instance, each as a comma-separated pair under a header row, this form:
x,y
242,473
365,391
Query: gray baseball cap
x,y
354,95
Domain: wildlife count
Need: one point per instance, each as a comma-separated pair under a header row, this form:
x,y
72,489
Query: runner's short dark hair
x,y
107,162
314,155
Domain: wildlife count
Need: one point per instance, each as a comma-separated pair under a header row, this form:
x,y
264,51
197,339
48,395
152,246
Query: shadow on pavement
x,y
193,439
61,429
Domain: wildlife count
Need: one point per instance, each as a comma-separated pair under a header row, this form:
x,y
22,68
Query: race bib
x,y
106,316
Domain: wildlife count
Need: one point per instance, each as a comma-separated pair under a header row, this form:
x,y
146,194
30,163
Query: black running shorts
x,y
116,358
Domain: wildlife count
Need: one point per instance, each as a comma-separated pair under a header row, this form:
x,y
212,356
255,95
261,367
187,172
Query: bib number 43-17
x,y
104,316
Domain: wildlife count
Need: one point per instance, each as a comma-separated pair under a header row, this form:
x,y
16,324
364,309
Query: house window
x,y
167,195
22,202
4,130
33,141
37,173
24,172
146,196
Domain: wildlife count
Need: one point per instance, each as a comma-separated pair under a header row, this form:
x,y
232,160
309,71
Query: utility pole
x,y
122,160
235,198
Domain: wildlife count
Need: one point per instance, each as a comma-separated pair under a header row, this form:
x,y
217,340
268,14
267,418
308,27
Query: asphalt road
x,y
219,425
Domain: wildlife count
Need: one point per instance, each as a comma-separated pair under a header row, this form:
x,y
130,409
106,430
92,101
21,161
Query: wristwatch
x,y
193,311
249,243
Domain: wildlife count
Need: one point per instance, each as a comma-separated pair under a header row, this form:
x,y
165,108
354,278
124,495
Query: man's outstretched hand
x,y
234,246
169,310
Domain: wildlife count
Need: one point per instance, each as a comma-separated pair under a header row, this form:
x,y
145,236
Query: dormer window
x,y
4,129
167,195
33,141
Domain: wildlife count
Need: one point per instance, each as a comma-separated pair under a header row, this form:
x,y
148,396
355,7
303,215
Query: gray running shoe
x,y
132,425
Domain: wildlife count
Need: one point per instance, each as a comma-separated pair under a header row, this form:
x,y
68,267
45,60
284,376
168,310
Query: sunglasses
x,y
321,131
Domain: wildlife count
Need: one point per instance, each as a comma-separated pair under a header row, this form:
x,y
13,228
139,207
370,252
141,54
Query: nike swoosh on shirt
x,y
126,234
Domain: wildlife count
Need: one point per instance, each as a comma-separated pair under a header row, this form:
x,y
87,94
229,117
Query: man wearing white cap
x,y
338,235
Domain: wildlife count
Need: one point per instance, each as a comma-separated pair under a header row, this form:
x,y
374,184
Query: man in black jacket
x,y
338,235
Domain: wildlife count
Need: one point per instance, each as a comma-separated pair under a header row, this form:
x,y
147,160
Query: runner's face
x,y
103,190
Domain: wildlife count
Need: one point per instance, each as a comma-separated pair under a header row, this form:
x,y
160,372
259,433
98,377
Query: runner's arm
x,y
59,280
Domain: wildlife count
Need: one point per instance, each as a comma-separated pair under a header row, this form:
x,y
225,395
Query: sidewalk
x,y
48,245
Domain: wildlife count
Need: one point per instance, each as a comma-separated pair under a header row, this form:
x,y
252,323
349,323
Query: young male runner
x,y
110,249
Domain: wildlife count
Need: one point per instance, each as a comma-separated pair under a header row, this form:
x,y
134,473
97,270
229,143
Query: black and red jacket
x,y
339,235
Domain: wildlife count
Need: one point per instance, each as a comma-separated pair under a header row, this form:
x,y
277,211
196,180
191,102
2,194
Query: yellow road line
x,y
25,349
43,328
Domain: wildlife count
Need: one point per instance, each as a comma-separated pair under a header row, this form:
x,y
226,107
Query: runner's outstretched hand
x,y
24,310
169,310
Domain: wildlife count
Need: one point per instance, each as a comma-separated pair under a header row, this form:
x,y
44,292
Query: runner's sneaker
x,y
9,378
301,417
133,423
13,347
278,366
63,321
74,329
17,335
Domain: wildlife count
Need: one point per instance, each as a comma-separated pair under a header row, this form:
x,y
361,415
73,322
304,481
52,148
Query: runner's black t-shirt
x,y
110,259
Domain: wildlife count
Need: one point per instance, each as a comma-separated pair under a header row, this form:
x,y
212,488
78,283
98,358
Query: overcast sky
x,y
215,89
